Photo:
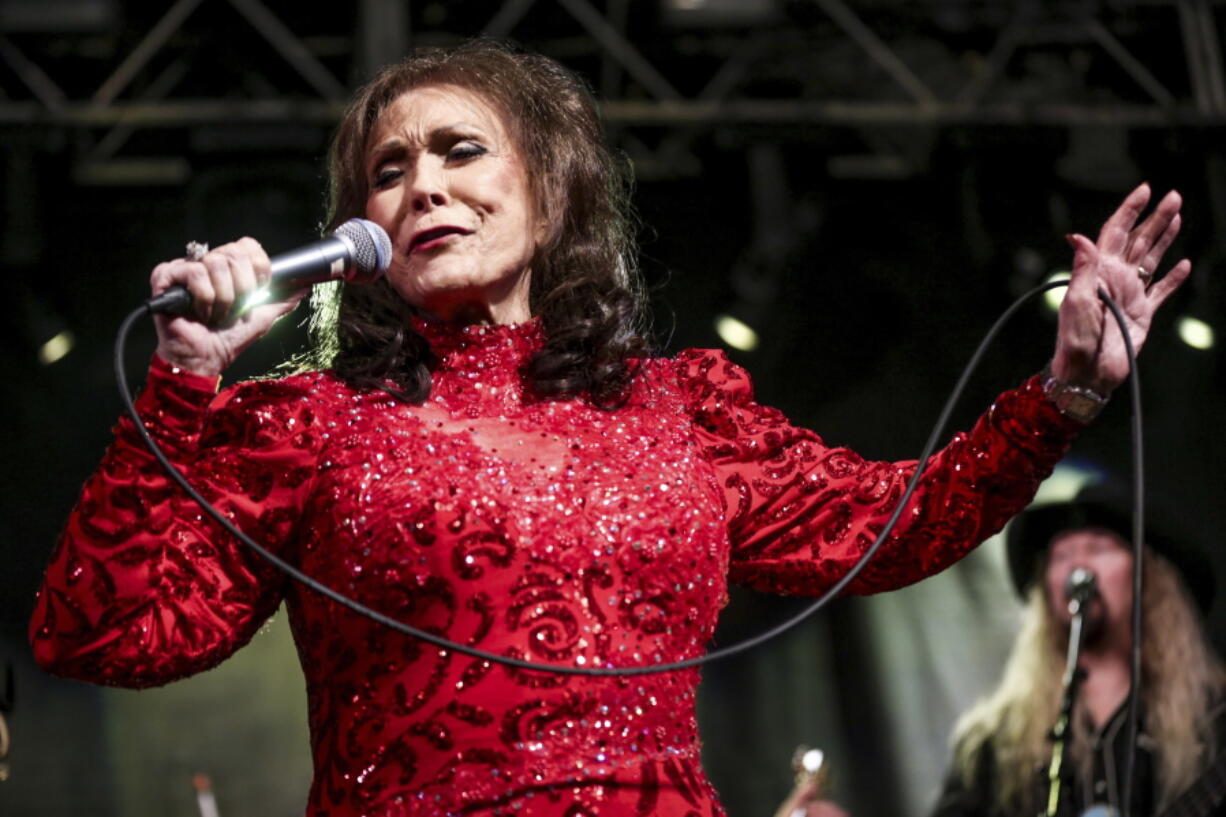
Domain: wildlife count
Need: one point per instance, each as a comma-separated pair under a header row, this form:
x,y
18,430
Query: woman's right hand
x,y
208,338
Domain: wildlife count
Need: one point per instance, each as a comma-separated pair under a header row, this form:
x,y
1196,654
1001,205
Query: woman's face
x,y
450,188
1110,559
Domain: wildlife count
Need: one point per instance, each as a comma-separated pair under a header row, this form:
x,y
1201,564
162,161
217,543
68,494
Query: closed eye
x,y
465,151
385,176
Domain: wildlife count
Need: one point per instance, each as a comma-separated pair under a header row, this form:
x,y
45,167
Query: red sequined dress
x,y
545,529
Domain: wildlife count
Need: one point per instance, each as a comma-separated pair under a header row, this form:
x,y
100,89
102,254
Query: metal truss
x,y
108,74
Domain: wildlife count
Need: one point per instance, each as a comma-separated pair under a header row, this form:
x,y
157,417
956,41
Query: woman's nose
x,y
428,190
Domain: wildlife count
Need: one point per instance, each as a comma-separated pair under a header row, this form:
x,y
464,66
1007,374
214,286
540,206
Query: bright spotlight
x,y
736,333
56,348
1195,332
257,297
1054,297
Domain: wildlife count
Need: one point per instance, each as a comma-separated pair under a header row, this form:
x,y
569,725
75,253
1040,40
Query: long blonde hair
x,y
1181,676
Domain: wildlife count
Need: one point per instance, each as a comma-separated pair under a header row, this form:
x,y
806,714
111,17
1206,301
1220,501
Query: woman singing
x,y
481,445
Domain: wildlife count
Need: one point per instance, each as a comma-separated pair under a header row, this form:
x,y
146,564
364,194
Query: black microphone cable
x,y
1138,551
725,652
1138,528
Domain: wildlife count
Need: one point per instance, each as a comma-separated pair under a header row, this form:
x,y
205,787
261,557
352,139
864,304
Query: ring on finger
x,y
1145,275
195,251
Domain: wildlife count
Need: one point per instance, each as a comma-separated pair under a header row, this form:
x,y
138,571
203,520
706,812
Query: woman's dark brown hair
x,y
584,289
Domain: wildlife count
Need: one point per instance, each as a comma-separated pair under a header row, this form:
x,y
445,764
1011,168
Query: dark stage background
x,y
868,184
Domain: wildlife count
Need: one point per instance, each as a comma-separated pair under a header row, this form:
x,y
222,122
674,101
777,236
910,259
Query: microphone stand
x,y
1071,683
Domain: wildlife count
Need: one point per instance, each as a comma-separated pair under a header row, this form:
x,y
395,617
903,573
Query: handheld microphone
x,y
358,252
1079,588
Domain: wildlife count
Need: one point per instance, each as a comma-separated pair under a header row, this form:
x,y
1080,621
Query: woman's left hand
x,y
1124,262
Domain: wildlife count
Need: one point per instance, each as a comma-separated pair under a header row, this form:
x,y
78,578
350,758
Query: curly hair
x,y
585,288
1181,677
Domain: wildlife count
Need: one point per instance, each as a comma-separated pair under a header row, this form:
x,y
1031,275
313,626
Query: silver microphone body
x,y
358,252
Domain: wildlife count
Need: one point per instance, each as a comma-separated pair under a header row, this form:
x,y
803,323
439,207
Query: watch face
x,y
1077,406
1079,403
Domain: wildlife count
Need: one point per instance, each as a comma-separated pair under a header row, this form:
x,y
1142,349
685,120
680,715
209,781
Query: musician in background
x,y
1002,746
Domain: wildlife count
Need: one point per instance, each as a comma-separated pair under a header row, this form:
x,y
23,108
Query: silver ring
x,y
195,251
1145,275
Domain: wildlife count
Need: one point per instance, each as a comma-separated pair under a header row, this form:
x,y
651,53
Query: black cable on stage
x,y
1138,551
734,649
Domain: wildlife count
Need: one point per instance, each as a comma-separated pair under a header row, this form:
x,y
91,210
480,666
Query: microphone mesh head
x,y
1081,581
372,250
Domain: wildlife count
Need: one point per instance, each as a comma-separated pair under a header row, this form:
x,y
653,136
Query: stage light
x,y
256,298
60,17
720,13
1054,297
55,348
1195,332
736,333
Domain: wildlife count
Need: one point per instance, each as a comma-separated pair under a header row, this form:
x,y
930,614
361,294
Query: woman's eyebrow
x,y
397,145
386,148
459,128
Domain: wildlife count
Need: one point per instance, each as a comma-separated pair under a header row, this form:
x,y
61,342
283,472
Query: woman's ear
x,y
548,214
543,233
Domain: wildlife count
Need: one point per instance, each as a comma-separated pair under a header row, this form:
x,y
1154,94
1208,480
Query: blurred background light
x,y
256,298
736,333
1054,297
1195,332
719,12
55,348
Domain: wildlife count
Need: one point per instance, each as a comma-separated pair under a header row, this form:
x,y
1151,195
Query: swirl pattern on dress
x,y
549,530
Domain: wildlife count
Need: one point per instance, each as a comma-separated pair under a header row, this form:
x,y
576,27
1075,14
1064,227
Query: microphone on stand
x,y
358,252
1079,588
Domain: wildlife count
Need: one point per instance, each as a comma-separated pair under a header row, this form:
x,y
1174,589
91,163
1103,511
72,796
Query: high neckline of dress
x,y
483,346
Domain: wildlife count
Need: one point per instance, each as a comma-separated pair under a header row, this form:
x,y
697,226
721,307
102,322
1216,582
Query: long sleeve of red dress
x,y
800,513
549,530
143,588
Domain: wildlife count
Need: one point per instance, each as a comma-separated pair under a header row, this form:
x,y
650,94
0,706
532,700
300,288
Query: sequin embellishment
x,y
549,530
